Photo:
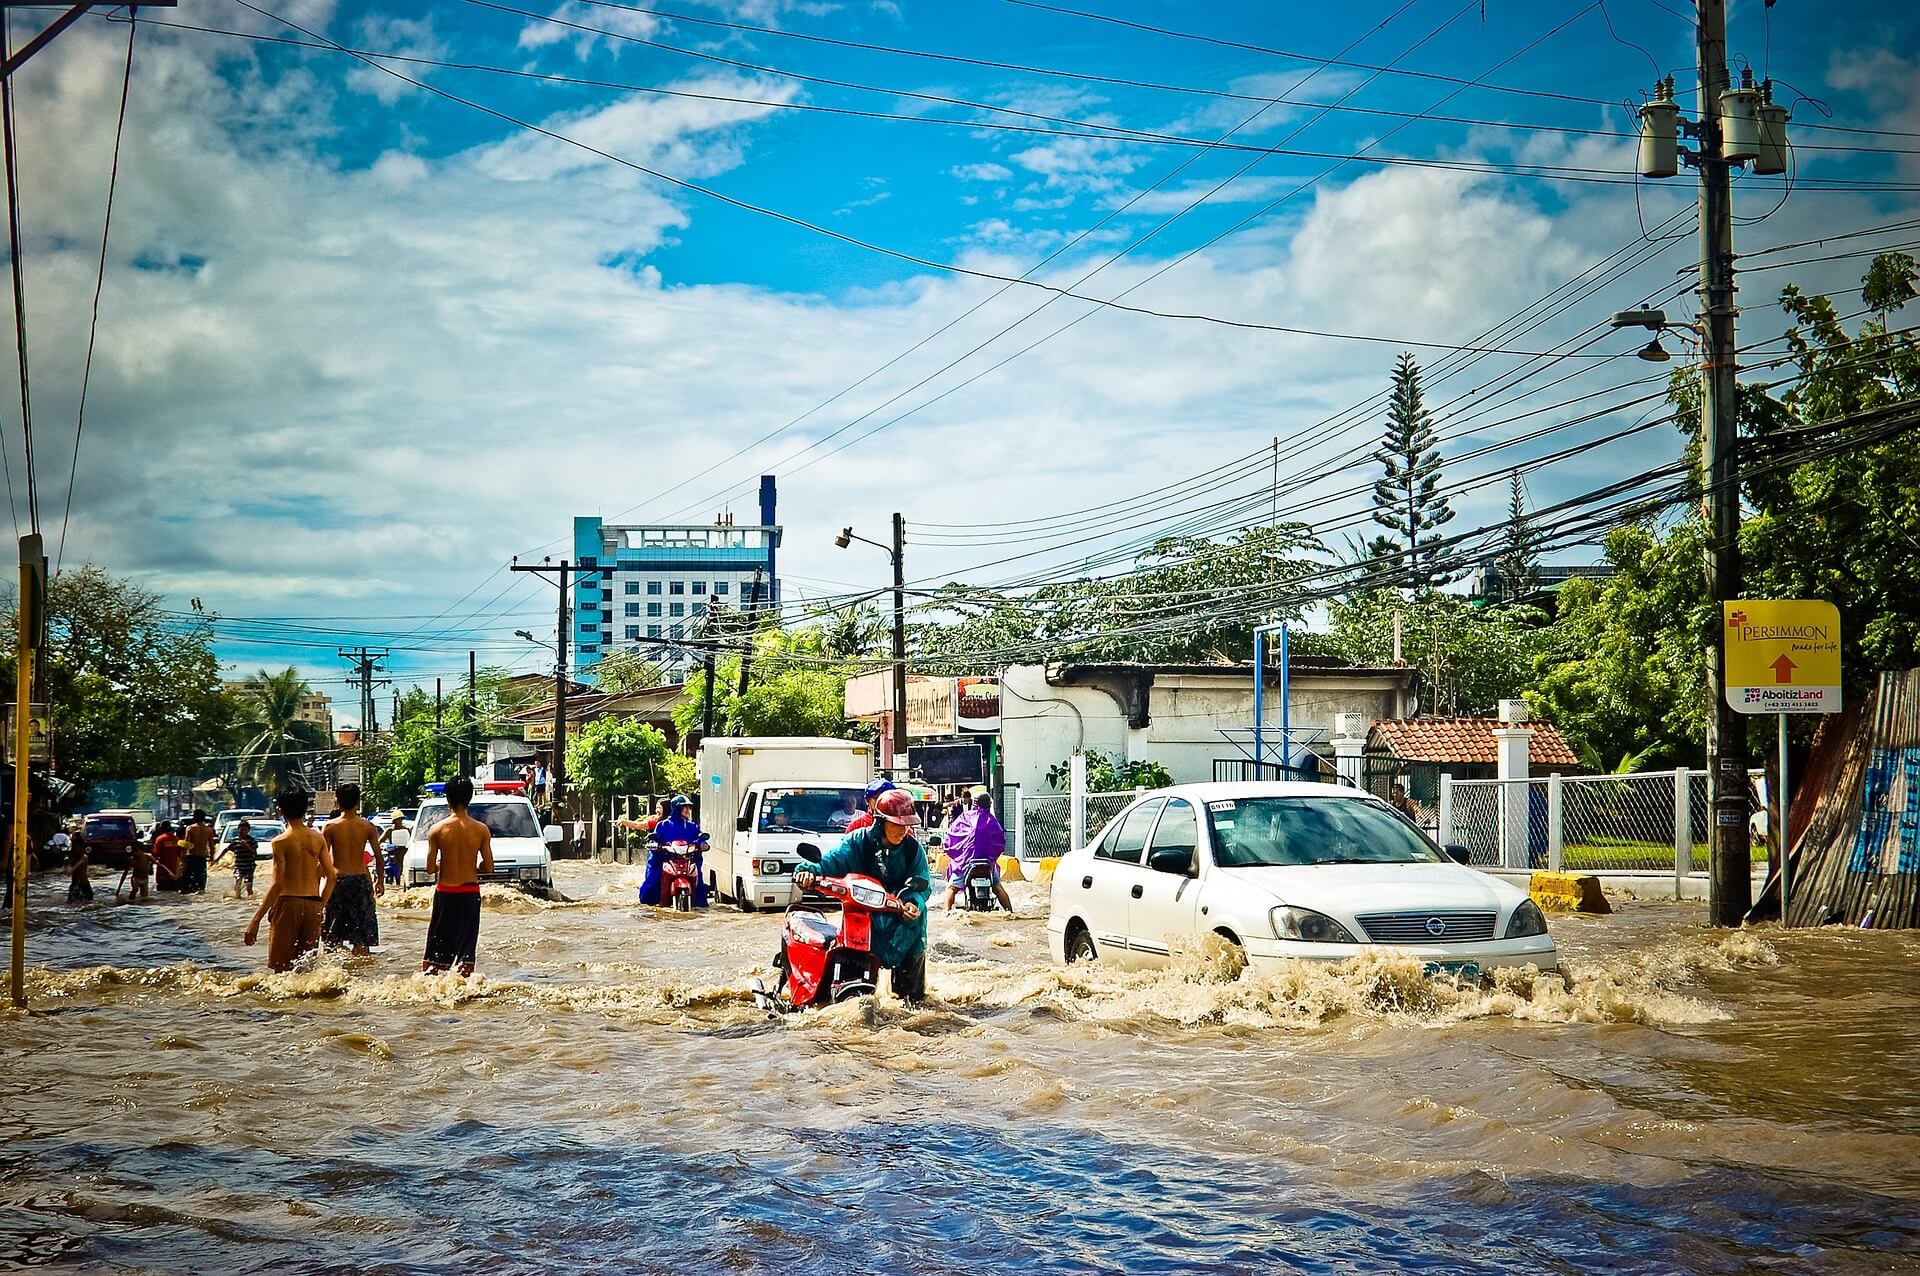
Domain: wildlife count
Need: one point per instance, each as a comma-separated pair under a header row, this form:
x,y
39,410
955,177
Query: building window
x,y
633,609
700,609
677,587
589,651
633,631
674,632
719,589
653,609
677,609
653,631
632,587
699,587
653,587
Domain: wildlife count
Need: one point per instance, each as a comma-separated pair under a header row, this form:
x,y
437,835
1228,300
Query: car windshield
x,y
503,819
809,810
1272,831
111,826
258,830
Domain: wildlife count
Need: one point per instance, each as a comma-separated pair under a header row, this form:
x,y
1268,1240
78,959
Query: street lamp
x,y
897,552
521,633
1655,321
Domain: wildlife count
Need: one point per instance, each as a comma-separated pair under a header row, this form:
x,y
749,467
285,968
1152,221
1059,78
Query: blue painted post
x,y
1286,728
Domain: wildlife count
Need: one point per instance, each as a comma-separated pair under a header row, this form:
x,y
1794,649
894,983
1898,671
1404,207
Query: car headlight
x,y
1526,920
1308,926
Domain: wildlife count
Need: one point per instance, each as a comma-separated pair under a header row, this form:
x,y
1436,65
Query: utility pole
x,y
29,627
434,773
899,642
1732,865
365,662
470,759
706,709
558,771
746,651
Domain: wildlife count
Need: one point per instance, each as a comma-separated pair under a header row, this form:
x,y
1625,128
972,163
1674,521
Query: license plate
x,y
1458,971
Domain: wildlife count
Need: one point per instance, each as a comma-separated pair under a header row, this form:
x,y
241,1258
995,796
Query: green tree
x,y
796,687
132,689
618,755
1406,498
1517,564
1834,518
623,671
1111,773
1469,657
278,744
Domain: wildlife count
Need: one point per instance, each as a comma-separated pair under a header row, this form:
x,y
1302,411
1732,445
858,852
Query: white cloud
x,y
565,24
982,172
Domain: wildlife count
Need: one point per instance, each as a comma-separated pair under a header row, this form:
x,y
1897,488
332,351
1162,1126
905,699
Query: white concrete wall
x,y
1041,725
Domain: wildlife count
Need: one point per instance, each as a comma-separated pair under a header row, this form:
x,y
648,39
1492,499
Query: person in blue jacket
x,y
888,851
679,826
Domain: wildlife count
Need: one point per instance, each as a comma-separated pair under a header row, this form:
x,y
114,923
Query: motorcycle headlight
x,y
1309,927
868,897
1527,920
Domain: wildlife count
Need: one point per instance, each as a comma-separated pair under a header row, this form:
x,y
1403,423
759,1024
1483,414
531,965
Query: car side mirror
x,y
744,824
1460,854
400,838
552,834
808,852
1172,859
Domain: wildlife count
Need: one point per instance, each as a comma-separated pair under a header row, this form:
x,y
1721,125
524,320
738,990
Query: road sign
x,y
538,732
1783,656
39,733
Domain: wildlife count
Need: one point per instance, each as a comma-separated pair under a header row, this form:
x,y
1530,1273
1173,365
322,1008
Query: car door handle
x,y
1136,891
1086,883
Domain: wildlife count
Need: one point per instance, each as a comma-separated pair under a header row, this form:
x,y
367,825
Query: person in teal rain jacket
x,y
888,852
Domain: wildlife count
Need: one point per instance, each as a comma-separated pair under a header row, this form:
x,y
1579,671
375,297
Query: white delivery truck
x,y
765,798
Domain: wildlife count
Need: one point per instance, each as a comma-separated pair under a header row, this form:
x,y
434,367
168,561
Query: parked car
x,y
1285,871
521,848
224,821
109,837
264,830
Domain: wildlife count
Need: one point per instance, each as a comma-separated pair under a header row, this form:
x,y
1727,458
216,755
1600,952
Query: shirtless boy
x,y
351,918
196,839
302,880
459,849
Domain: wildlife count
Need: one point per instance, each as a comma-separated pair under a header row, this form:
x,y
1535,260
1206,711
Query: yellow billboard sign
x,y
1783,655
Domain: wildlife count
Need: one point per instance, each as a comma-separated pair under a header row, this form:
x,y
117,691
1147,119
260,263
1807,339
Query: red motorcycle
x,y
678,877
822,963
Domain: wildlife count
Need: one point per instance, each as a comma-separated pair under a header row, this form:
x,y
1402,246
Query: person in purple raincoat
x,y
975,837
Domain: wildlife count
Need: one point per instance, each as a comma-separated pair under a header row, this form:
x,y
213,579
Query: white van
x,y
522,853
767,798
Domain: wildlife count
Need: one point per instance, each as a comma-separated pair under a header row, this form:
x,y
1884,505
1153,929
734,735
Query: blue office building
x,y
647,589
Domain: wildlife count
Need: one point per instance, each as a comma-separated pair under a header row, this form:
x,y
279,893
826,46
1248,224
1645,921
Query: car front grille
x,y
1440,927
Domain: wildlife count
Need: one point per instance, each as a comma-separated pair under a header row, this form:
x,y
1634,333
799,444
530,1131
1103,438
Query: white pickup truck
x,y
522,853
763,798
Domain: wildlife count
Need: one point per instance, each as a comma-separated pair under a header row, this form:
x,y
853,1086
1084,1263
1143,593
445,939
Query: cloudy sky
x,y
361,343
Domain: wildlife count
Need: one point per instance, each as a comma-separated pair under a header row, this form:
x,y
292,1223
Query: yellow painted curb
x,y
1568,893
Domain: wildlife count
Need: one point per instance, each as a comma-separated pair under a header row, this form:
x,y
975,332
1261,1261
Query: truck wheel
x,y
741,897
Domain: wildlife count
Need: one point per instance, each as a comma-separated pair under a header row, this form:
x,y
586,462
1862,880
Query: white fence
x,y
1054,823
1649,822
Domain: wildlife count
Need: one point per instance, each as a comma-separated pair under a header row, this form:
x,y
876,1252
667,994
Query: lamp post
x,y
897,551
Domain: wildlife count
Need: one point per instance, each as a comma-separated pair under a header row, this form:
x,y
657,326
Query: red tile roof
x,y
1465,740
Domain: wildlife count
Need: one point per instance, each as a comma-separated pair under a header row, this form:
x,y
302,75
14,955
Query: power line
x,y
19,285
99,283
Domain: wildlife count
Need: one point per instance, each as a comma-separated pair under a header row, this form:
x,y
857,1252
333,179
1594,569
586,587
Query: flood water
x,y
603,1096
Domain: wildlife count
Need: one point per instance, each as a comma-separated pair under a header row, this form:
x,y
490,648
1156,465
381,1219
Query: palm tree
x,y
271,712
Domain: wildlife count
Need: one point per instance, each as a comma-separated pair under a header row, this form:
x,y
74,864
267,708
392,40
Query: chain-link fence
x,y
1046,823
1102,807
1655,821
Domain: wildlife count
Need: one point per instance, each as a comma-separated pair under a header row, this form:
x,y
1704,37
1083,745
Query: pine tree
x,y
1517,563
1407,501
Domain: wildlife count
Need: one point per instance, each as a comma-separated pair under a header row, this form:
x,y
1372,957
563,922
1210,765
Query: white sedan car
x,y
1285,870
521,853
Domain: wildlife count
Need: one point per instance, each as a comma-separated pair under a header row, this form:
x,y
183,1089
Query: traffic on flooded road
x,y
1669,1105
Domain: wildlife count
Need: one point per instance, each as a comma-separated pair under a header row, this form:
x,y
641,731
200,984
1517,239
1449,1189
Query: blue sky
x,y
360,344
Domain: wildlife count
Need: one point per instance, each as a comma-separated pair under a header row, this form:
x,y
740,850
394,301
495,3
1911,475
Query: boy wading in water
x,y
351,918
459,849
302,880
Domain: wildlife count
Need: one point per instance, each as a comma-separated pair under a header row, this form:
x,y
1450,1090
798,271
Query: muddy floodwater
x,y
603,1096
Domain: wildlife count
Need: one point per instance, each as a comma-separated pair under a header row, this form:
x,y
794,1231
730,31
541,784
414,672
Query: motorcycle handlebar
x,y
841,889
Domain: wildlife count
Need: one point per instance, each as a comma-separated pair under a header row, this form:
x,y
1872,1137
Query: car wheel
x,y
1080,944
1238,949
741,897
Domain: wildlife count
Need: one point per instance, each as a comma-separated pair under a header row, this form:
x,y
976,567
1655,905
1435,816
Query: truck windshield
x,y
808,810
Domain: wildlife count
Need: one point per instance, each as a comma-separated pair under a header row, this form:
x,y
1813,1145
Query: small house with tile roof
x,y
1464,748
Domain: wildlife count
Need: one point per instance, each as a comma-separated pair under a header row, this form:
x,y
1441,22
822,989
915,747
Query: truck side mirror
x,y
552,834
743,824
